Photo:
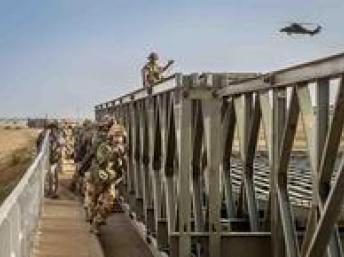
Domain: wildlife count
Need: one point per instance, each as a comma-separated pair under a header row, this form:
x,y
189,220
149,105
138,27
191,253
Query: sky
x,y
62,57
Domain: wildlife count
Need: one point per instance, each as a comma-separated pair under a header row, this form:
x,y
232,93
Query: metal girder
x,y
310,71
213,140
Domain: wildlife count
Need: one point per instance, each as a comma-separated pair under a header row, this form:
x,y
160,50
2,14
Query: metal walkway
x,y
63,232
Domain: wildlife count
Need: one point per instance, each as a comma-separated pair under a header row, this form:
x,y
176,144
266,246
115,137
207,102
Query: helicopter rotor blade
x,y
302,23
309,23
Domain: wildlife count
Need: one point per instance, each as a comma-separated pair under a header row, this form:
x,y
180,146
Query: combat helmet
x,y
87,123
117,133
105,123
153,56
52,124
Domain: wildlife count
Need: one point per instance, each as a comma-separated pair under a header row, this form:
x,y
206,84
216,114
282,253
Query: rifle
x,y
86,162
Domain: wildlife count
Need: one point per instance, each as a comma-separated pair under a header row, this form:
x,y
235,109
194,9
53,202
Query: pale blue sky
x,y
61,57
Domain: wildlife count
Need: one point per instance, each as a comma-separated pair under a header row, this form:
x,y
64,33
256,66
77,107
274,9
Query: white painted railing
x,y
19,213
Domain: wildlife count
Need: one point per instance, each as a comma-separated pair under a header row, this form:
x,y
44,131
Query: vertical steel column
x,y
197,172
159,169
169,167
149,173
138,158
322,93
131,161
212,132
184,149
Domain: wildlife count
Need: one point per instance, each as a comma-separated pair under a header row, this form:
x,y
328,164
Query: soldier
x,y
69,140
89,159
83,142
105,175
40,138
54,158
152,72
118,137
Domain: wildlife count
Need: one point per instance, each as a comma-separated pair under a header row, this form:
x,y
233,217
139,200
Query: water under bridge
x,y
220,164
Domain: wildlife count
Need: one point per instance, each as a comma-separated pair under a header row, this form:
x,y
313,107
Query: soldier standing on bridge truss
x,y
152,71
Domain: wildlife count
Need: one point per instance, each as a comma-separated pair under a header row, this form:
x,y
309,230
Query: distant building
x,y
36,123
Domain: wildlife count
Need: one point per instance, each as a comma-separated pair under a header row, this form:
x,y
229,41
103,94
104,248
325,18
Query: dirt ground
x,y
16,153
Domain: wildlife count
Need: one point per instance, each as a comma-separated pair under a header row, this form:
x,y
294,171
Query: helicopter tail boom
x,y
316,31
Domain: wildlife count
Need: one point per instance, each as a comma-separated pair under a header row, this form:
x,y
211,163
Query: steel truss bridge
x,y
203,185
220,164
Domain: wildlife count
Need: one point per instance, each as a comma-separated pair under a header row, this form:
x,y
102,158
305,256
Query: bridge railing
x,y
193,175
19,213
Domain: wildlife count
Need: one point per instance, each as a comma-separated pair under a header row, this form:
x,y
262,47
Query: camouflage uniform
x,y
55,147
40,139
152,72
105,173
68,140
118,137
83,142
88,160
77,131
54,157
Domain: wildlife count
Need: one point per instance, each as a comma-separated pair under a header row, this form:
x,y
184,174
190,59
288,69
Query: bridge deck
x,y
63,232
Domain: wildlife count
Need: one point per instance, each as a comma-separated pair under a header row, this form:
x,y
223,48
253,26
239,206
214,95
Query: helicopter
x,y
299,28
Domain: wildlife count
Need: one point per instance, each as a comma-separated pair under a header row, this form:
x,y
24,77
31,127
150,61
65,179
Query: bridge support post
x,y
150,171
278,120
184,152
213,140
131,161
137,172
159,161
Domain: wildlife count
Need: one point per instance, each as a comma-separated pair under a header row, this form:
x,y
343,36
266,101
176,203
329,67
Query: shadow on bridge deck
x,y
119,238
63,231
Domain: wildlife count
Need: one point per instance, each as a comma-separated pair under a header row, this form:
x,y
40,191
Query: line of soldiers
x,y
55,155
61,146
100,155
